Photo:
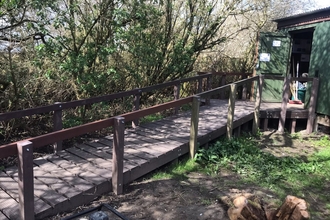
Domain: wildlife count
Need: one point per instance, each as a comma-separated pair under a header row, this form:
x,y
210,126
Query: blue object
x,y
99,216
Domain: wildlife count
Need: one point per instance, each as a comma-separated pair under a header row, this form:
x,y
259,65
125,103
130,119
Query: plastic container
x,y
301,94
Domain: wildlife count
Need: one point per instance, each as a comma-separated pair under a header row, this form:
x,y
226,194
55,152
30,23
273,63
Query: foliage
x,y
64,50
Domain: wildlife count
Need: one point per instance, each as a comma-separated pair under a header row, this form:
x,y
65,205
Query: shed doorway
x,y
301,51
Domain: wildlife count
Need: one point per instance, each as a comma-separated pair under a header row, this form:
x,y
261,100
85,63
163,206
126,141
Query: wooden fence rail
x,y
58,107
24,149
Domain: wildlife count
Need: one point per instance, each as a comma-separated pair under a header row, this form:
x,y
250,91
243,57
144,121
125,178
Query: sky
x,y
322,3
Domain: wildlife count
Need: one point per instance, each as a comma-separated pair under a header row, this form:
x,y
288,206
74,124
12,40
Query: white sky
x,y
322,3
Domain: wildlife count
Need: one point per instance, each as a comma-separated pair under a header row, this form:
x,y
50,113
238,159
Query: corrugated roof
x,y
327,9
310,17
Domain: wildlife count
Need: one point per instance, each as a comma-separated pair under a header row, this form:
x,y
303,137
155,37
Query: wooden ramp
x,y
79,174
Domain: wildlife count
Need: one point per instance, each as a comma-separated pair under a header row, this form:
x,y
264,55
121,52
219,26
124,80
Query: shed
x,y
300,45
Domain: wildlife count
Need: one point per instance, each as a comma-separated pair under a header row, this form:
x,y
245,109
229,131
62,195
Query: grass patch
x,y
151,118
243,156
322,142
305,177
177,170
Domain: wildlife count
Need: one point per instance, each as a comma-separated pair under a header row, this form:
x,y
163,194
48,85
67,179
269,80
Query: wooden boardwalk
x,y
79,174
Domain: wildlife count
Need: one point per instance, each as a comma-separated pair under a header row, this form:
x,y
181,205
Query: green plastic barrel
x,y
301,94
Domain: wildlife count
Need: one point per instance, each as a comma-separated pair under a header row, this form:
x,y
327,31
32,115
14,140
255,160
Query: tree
x,y
93,47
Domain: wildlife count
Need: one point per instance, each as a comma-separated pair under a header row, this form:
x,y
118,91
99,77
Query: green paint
x,y
277,45
320,65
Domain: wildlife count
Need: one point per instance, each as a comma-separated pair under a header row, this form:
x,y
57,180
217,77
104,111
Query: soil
x,y
200,196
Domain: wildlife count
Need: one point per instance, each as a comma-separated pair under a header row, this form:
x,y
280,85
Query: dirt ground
x,y
200,196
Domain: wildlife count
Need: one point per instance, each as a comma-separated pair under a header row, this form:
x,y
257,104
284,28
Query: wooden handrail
x,y
221,88
64,105
25,155
46,139
225,73
130,116
56,136
24,148
213,91
73,104
174,82
49,138
276,77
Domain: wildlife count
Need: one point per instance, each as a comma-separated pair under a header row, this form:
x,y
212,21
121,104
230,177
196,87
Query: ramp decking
x,y
79,174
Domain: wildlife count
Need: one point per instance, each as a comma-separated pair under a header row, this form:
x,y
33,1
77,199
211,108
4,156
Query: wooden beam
x,y
237,131
265,127
299,114
25,180
208,88
285,100
256,118
58,125
118,155
136,106
231,110
223,82
244,92
200,85
312,106
293,125
177,95
221,89
255,60
194,126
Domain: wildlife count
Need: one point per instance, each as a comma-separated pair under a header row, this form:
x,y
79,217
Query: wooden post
x,y
285,99
58,125
255,58
118,155
208,87
136,106
256,117
200,85
223,82
293,125
231,110
265,124
177,95
237,131
25,180
312,106
244,90
194,126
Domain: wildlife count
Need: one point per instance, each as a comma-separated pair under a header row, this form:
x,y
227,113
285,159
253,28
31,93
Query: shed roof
x,y
310,17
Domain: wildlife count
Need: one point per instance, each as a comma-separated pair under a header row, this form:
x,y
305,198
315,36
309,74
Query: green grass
x,y
176,170
306,177
302,177
151,118
322,142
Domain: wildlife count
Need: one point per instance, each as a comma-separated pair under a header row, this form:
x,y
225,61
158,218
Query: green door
x,y
274,54
320,67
